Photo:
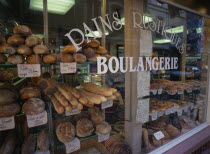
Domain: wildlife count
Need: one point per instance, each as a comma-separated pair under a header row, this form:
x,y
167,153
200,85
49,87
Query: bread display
x,y
49,58
43,142
89,52
9,144
22,30
94,43
65,132
8,96
7,49
33,106
80,58
34,59
69,49
103,128
24,50
32,41
9,110
29,92
3,58
40,49
84,128
16,59
97,118
15,40
65,58
29,144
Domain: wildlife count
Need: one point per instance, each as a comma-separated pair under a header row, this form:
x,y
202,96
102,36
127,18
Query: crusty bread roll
x,y
94,58
43,141
7,49
49,58
16,59
57,105
101,50
22,30
69,49
15,40
65,132
9,144
65,58
103,128
89,52
97,118
29,92
78,57
3,58
94,43
33,106
84,128
24,50
40,49
2,40
7,96
9,110
32,41
34,59
29,144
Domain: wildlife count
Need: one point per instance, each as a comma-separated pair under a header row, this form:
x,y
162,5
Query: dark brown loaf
x,y
78,57
15,40
29,92
103,128
101,50
84,128
43,141
24,50
33,106
49,58
32,41
29,144
65,132
16,59
40,49
34,59
7,96
3,58
2,40
65,58
9,144
94,43
22,30
89,52
69,49
7,49
9,110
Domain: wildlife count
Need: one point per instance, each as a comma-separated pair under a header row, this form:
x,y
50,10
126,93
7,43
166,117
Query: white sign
x,y
186,108
159,135
73,112
180,111
180,92
7,123
170,110
72,146
40,152
37,120
103,137
154,116
29,70
160,113
191,106
160,91
68,67
143,84
142,114
107,104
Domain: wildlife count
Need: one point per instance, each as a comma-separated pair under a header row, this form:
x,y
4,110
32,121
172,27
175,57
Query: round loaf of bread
x,y
84,44
69,49
7,96
78,57
43,141
65,132
93,110
29,92
94,43
9,110
33,106
101,50
40,49
84,128
94,58
32,41
65,58
22,30
103,128
97,118
34,59
7,49
89,52
16,59
2,40
15,40
3,58
49,58
24,50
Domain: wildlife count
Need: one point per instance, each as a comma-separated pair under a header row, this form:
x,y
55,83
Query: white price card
x,y
160,91
186,108
73,112
106,104
170,110
159,135
154,116
37,120
103,137
160,113
191,106
29,70
40,152
73,145
180,111
68,67
180,92
7,123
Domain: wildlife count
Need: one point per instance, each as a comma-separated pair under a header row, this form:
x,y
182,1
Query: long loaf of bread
x,y
73,91
61,98
68,108
65,93
58,107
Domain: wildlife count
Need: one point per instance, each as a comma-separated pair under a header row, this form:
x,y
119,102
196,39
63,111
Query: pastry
x,y
24,50
49,58
3,58
57,105
69,49
172,131
15,40
33,106
8,96
65,58
84,128
89,52
78,57
16,59
103,128
94,43
40,49
65,132
29,92
29,145
97,118
43,142
7,49
9,110
32,41
34,59
22,30
101,50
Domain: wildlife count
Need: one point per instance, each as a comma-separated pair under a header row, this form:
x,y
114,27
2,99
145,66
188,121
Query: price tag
x,y
186,108
180,92
180,111
107,104
159,135
154,116
191,106
170,110
29,70
68,67
73,112
160,91
7,123
103,137
37,120
39,152
72,146
160,113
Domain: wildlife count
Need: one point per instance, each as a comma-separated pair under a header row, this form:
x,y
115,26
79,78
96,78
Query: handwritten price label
x,y
159,135
154,116
170,110
29,70
103,137
72,146
39,152
73,112
7,123
107,104
37,120
68,68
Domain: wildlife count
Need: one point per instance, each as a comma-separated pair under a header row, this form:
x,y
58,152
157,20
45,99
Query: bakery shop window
x,y
177,100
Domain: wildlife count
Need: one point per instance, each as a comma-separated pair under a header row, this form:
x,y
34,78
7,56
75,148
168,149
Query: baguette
x,y
68,108
117,94
111,97
73,91
61,98
86,102
79,106
74,101
65,93
58,107
90,96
